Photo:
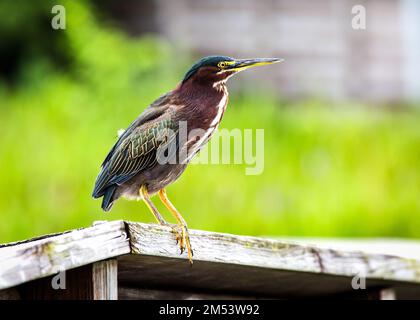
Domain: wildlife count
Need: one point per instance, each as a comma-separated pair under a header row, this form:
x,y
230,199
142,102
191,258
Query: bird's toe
x,y
183,240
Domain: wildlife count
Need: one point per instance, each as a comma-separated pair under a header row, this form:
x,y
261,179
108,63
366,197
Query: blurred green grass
x,y
330,170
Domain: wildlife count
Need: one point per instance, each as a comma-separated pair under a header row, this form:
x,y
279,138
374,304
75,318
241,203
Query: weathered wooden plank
x,y
224,264
403,248
278,255
22,262
105,280
174,274
256,267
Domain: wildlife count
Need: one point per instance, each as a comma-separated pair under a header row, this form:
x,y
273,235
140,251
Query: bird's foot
x,y
183,239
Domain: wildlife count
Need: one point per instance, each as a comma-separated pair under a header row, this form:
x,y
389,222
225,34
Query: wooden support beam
x,y
105,280
385,294
96,281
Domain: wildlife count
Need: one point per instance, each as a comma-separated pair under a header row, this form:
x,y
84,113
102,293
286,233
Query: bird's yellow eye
x,y
222,65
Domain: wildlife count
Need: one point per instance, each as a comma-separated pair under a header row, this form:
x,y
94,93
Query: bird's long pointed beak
x,y
243,64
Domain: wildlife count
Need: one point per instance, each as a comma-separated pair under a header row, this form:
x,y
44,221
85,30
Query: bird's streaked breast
x,y
194,145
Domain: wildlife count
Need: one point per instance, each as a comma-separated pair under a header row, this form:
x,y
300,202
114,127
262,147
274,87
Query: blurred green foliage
x,y
345,170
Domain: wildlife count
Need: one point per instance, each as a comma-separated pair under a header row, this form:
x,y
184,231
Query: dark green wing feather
x,y
136,148
151,113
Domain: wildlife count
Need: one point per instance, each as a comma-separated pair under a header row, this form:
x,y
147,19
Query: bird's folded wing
x,y
136,152
151,113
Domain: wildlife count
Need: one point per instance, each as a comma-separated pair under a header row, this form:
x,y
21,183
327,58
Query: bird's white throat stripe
x,y
219,84
220,110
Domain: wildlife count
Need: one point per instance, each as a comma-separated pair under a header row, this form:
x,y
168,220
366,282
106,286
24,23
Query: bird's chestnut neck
x,y
205,81
199,88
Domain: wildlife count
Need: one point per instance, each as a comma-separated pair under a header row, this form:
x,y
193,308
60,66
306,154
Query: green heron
x,y
132,168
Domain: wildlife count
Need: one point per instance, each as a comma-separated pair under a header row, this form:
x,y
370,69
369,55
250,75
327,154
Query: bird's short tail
x,y
108,198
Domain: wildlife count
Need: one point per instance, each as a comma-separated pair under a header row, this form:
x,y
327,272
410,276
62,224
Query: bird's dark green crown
x,y
209,61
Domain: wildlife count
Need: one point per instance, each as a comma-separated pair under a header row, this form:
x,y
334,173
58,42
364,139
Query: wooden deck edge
x,y
215,247
42,257
30,260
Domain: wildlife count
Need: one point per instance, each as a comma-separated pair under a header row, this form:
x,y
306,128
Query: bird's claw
x,y
183,239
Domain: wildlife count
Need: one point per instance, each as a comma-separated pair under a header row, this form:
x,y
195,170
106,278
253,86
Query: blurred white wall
x,y
324,55
411,36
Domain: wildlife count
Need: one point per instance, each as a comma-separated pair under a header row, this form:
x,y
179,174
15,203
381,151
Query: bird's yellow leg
x,y
146,198
182,233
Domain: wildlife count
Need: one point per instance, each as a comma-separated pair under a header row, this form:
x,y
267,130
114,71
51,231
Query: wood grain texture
x,y
105,280
220,248
147,262
23,262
